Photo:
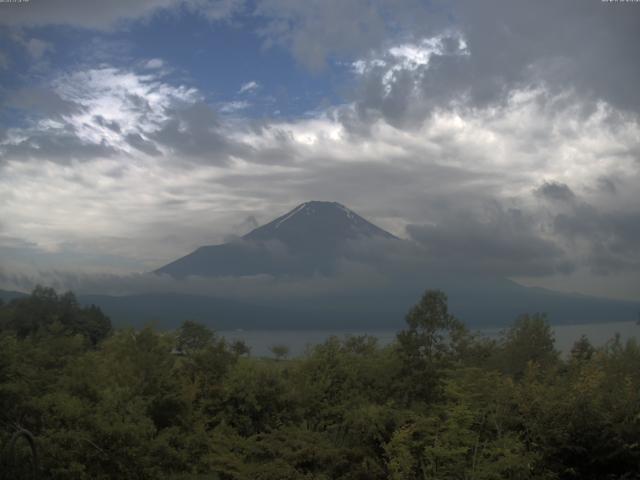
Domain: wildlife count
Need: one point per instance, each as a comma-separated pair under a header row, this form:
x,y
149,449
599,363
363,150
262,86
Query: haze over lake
x,y
260,341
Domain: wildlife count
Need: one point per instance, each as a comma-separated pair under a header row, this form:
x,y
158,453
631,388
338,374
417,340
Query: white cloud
x,y
409,57
109,104
249,87
154,63
235,106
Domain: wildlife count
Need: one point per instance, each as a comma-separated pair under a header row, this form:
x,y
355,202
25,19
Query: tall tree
x,y
427,345
529,340
193,336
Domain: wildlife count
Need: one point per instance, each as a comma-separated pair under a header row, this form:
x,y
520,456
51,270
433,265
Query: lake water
x,y
260,341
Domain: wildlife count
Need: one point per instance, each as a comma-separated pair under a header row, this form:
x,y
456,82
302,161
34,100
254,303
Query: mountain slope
x,y
316,225
305,241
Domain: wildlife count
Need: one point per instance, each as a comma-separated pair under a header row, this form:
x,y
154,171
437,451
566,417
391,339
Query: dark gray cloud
x,y
40,101
138,104
315,30
138,142
62,147
103,122
555,191
96,14
502,241
607,185
610,241
586,47
195,131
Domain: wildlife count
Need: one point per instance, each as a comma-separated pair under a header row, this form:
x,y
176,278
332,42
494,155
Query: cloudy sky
x,y
499,136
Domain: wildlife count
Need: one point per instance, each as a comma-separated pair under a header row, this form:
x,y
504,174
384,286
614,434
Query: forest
x,y
438,403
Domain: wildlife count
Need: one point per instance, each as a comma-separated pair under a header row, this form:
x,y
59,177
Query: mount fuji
x,y
331,268
305,241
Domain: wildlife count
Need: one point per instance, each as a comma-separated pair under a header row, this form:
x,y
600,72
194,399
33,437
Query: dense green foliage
x,y
439,403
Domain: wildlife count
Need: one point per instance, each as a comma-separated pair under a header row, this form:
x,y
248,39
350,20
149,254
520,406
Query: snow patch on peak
x,y
298,209
312,207
349,213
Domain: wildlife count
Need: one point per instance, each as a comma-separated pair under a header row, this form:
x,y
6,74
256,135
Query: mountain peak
x,y
317,221
314,207
315,235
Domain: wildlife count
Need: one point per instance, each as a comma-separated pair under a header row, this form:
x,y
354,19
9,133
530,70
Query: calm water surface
x,y
298,341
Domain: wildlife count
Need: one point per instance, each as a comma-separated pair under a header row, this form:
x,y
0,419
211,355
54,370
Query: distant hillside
x,y
489,305
169,310
486,305
7,296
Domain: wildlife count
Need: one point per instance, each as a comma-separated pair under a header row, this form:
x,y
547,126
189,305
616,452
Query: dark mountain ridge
x,y
305,241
